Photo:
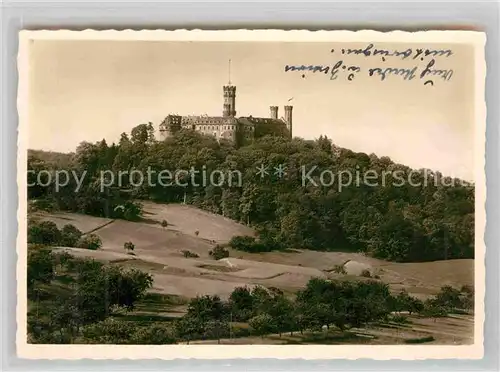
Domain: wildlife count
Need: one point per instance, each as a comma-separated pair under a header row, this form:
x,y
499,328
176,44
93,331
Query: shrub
x,y
189,254
218,252
129,246
196,233
45,232
240,332
449,298
70,236
433,309
90,241
109,331
130,211
366,273
250,244
155,334
467,289
241,243
164,223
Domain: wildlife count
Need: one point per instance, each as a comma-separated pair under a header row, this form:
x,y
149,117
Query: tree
x,y
109,331
41,265
432,309
100,288
129,247
262,324
405,223
345,304
189,328
70,236
449,298
241,303
282,313
44,232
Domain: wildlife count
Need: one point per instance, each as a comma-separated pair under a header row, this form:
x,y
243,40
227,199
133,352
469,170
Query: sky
x,y
87,90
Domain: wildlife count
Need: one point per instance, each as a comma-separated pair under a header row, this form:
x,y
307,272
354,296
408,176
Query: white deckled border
x,y
271,35
378,352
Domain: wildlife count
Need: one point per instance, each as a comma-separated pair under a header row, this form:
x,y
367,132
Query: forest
x,y
404,223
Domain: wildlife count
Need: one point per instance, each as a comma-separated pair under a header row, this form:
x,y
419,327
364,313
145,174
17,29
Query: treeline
x,y
47,233
73,300
395,221
342,305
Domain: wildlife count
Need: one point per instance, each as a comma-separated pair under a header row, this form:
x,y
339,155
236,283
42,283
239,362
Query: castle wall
x,y
217,126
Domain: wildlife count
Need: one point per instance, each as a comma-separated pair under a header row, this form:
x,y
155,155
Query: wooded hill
x,y
395,221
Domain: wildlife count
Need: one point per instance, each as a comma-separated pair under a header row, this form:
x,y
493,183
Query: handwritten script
x,y
419,63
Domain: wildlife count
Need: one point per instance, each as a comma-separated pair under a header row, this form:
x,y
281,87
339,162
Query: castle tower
x,y
229,101
288,119
229,97
274,112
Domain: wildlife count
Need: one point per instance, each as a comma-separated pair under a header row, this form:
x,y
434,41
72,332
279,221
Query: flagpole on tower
x,y
229,71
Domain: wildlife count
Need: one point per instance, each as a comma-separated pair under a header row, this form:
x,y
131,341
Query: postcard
x,y
251,194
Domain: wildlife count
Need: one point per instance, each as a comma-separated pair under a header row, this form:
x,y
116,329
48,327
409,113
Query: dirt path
x,y
99,227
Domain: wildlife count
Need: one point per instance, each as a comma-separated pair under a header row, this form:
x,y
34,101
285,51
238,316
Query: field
x,y
454,330
158,250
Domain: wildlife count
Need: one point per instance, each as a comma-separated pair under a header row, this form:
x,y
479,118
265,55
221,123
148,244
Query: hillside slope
x,y
158,250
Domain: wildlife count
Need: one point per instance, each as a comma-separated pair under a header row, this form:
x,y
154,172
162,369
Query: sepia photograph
x,y
252,188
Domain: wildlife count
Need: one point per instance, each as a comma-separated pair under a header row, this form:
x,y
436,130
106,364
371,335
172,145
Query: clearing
x,y
158,250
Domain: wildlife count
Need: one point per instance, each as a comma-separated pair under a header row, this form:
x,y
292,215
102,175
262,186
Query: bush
x,y
109,331
189,254
70,236
218,252
155,334
129,246
366,273
237,332
449,298
90,241
241,243
467,289
433,309
164,223
45,232
130,211
249,244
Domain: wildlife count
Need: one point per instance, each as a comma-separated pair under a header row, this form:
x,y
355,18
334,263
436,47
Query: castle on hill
x,y
239,130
